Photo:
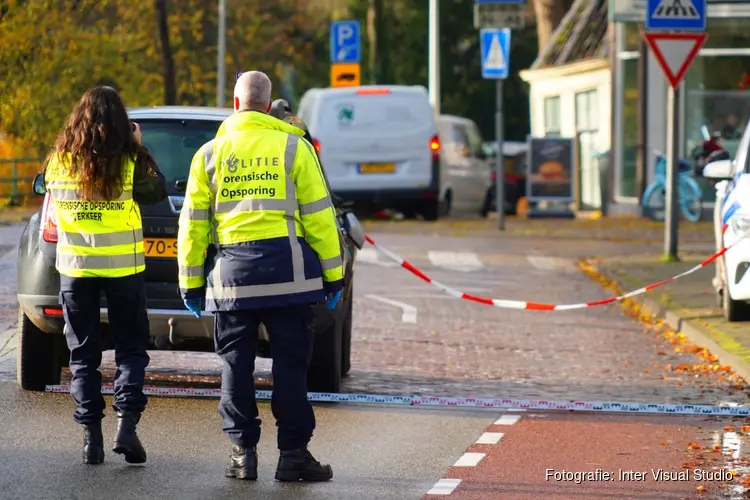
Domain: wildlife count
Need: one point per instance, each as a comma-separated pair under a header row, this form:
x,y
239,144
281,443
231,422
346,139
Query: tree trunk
x,y
170,89
549,13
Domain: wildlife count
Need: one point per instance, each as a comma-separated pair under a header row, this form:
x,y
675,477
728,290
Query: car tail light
x,y
49,233
52,311
435,148
316,145
373,91
493,176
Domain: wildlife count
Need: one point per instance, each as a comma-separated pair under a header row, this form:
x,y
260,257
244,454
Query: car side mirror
x,y
355,230
39,185
718,170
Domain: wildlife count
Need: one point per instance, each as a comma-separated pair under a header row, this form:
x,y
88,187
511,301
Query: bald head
x,y
252,92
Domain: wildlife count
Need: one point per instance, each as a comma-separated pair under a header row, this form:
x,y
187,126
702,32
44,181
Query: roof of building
x,y
581,36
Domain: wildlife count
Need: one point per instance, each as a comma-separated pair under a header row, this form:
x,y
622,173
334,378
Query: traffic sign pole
x,y
671,219
685,22
495,49
499,174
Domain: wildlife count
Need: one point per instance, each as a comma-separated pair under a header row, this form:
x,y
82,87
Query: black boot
x,y
300,465
243,463
126,440
93,444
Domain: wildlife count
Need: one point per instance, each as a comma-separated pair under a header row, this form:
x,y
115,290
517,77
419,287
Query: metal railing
x,y
16,179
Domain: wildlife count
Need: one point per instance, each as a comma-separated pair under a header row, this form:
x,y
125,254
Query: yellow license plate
x,y
160,247
377,168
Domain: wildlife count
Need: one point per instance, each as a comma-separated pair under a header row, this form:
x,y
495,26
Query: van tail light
x,y
435,148
316,145
373,91
49,229
53,311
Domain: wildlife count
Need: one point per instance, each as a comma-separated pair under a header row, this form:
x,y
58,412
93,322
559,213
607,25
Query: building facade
x,y
608,100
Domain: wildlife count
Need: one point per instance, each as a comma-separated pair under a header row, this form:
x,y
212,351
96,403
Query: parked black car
x,y
172,134
514,180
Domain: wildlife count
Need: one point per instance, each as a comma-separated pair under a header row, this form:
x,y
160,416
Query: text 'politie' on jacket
x,y
258,228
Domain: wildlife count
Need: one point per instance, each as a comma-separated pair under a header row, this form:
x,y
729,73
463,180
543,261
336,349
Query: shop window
x,y
587,111
717,96
629,138
552,122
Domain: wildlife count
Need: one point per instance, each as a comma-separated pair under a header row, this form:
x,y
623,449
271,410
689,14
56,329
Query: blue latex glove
x,y
334,300
194,306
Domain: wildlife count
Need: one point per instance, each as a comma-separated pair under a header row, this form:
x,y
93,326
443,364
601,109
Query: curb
x,y
694,334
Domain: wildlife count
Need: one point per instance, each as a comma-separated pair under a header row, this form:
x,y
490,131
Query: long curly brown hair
x,y
99,138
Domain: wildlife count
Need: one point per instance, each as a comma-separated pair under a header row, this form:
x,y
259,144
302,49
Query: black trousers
x,y
128,323
291,335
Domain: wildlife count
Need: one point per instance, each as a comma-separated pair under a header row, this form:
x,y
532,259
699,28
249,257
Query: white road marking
x,y
550,263
507,420
469,459
409,312
489,438
516,410
444,487
372,256
455,261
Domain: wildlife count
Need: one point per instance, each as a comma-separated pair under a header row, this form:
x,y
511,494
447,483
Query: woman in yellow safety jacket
x,y
96,176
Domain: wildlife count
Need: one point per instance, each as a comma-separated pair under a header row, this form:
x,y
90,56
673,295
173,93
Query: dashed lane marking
x,y
490,438
507,420
444,487
550,263
469,459
409,312
372,256
455,261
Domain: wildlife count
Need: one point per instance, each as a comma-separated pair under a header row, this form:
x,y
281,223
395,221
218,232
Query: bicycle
x,y
688,191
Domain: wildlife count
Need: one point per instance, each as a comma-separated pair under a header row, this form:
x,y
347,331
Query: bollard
x,y
602,159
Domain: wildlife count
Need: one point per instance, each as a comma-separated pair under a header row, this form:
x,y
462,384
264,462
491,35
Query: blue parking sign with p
x,y
345,42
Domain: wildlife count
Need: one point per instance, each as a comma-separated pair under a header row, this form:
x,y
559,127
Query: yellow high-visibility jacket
x,y
95,238
258,228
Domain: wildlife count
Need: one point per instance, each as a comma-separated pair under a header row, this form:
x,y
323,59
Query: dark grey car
x,y
172,134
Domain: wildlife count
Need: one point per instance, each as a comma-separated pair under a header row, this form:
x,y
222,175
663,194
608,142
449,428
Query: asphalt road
x,y
409,338
374,452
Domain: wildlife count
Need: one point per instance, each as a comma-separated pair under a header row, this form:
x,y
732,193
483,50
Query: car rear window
x,y
173,143
390,113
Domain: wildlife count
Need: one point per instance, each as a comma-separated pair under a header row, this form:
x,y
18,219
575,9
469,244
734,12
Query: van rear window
x,y
390,113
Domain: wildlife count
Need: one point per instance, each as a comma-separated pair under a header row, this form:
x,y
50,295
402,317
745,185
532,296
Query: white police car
x,y
732,223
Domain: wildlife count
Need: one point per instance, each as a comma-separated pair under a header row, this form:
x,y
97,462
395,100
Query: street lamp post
x,y
434,55
221,70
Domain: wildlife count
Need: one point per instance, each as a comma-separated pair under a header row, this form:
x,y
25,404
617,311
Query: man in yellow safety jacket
x,y
258,240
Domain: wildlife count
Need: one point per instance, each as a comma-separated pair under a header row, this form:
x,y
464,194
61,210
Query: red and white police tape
x,y
535,306
728,409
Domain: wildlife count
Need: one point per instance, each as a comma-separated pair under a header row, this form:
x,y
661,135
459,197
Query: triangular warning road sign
x,y
676,9
675,52
495,58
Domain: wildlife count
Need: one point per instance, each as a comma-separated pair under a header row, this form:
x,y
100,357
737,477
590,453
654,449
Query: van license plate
x,y
160,247
377,168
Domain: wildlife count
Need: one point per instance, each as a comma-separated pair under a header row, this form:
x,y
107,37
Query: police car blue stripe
x,y
730,212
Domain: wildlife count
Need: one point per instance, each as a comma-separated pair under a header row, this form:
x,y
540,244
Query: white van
x,y
379,146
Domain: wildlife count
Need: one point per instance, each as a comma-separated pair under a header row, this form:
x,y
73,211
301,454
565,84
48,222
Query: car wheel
x,y
39,356
346,339
324,374
486,204
430,210
734,310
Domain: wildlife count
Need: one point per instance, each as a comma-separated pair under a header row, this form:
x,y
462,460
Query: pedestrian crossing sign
x,y
677,15
495,44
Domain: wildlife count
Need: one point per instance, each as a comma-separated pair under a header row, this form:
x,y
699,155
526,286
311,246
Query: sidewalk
x,y
612,229
689,304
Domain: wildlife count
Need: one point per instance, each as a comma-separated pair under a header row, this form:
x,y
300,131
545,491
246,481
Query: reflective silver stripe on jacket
x,y
191,271
289,205
98,240
68,261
